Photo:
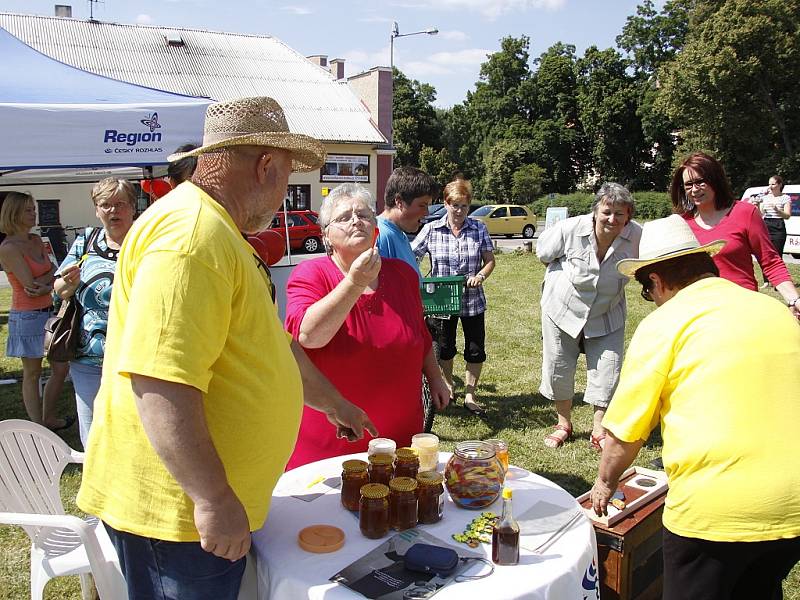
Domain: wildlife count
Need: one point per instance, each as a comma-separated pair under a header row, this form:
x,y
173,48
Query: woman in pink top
x,y
701,193
30,274
359,319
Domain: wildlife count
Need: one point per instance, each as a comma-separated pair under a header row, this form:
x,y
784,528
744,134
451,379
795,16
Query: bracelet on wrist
x,y
791,303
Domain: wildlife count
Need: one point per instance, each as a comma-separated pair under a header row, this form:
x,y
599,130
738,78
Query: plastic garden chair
x,y
32,459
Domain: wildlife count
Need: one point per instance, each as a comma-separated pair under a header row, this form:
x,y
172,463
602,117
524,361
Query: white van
x,y
792,245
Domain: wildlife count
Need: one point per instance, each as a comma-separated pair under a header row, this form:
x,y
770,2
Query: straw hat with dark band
x,y
256,121
664,239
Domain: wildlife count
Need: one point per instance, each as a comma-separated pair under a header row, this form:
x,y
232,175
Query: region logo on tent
x,y
152,122
133,138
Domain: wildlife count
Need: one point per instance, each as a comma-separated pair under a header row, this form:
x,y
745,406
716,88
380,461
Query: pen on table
x,y
316,481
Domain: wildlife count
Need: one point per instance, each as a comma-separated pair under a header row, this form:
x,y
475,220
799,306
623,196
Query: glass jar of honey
x,y
373,510
380,468
430,494
403,503
354,475
406,463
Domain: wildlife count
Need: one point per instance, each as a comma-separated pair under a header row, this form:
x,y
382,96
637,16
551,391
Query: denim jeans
x,y
161,570
86,381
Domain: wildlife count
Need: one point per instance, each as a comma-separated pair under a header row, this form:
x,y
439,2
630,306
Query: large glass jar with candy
x,y
473,475
354,476
402,503
381,469
406,463
373,511
431,497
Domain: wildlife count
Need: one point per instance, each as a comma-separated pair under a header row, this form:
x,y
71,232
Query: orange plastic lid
x,y
320,538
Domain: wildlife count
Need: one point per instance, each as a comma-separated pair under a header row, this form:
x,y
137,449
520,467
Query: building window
x,y
49,213
298,197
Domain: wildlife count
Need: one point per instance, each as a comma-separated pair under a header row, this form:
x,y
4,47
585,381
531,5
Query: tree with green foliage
x,y
415,123
608,99
501,161
651,39
438,165
731,88
526,184
494,108
556,132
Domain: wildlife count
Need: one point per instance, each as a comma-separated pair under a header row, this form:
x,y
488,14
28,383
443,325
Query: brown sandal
x,y
596,442
557,439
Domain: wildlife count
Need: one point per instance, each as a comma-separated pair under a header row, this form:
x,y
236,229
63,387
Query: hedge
x,y
649,205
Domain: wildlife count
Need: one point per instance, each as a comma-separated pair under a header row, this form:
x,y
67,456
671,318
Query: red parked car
x,y
304,230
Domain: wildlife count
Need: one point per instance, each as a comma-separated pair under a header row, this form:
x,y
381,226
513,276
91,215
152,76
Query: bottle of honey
x,y
505,535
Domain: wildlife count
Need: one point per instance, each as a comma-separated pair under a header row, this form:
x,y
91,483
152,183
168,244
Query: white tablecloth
x,y
567,569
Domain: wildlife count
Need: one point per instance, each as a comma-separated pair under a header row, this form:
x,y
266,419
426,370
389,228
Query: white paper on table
x,y
541,521
310,490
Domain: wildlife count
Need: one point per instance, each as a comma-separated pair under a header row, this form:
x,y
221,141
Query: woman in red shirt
x,y
359,318
702,195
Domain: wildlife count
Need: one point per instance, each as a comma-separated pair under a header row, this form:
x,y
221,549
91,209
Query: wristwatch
x,y
483,277
791,303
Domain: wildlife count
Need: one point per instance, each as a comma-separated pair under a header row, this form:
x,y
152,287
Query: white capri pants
x,y
560,356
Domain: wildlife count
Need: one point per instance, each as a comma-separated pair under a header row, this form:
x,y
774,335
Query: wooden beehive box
x,y
629,541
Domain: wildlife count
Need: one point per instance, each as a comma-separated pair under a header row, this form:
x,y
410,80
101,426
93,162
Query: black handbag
x,y
62,332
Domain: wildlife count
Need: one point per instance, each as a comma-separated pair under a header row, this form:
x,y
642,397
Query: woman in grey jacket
x,y
583,305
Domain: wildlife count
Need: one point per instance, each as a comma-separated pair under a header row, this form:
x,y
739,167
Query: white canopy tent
x,y
58,120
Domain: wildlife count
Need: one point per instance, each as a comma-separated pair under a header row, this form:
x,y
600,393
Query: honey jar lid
x,y
429,478
381,459
406,453
354,466
320,538
403,484
374,490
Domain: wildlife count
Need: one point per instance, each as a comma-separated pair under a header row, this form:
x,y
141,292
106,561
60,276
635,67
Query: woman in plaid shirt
x,y
459,245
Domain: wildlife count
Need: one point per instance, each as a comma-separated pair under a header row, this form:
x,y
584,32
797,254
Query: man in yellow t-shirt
x,y
200,400
716,365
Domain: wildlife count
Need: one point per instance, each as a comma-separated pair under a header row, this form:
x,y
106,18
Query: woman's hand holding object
x,y
365,268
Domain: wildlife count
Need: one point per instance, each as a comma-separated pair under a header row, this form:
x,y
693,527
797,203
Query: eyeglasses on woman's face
x,y
107,207
699,183
365,216
646,292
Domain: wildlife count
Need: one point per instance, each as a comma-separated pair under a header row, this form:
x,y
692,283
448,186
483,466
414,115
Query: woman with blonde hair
x,y
459,245
30,274
91,279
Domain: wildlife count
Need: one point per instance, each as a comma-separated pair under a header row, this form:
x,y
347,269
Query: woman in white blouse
x,y
775,207
583,305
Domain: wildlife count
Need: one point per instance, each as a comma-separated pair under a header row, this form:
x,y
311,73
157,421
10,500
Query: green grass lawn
x,y
508,389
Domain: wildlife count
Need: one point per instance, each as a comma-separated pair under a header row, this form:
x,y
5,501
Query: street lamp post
x,y
396,34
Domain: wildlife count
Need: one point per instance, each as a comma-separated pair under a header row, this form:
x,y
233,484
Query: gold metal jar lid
x,y
381,459
374,490
403,484
430,478
406,453
354,466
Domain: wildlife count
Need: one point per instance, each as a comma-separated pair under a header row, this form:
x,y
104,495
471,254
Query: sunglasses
x,y
646,292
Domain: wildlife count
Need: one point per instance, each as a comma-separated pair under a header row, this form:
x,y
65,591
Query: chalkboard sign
x,y
49,214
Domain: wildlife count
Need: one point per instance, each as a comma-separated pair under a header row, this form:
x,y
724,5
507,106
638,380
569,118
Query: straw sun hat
x,y
256,121
663,239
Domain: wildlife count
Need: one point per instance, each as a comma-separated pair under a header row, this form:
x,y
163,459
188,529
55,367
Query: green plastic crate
x,y
442,295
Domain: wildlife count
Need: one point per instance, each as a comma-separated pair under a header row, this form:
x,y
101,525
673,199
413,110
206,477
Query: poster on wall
x,y
345,167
